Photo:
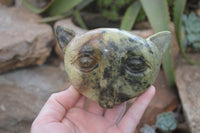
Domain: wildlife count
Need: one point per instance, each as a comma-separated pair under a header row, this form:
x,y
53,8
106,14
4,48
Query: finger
x,y
93,107
135,112
115,114
57,105
81,102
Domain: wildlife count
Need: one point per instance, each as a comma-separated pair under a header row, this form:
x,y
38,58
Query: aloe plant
x,y
158,14
54,7
111,8
130,16
58,9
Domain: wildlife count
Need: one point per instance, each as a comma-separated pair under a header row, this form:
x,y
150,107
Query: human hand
x,y
64,113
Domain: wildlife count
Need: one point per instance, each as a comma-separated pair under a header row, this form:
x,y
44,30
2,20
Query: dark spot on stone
x,y
87,49
148,85
63,38
122,98
131,53
131,49
86,82
106,97
136,39
94,74
130,39
121,40
113,45
101,41
149,49
144,82
133,81
129,81
103,32
107,73
122,71
63,41
96,85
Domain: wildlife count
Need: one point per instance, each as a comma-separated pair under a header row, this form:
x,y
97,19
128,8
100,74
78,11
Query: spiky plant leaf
x,y
79,19
130,16
61,6
158,15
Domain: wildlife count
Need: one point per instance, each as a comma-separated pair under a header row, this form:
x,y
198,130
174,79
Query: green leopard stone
x,y
110,65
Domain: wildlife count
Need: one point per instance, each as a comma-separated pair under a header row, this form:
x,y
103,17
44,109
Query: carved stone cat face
x,y
109,65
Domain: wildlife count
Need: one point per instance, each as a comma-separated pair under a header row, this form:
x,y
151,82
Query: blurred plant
x,y
158,15
166,122
111,8
179,6
148,129
58,9
191,28
130,16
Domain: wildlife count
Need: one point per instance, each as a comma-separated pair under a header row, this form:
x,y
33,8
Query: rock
x,y
23,40
164,100
36,3
7,2
24,92
188,83
18,3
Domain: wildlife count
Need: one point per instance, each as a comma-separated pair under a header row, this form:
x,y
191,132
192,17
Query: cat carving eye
x,y
86,63
135,64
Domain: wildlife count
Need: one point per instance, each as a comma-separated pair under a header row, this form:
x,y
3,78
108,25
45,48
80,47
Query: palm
x,y
70,116
85,122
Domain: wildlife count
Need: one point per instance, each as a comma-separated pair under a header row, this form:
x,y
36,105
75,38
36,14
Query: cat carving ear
x,y
64,36
161,39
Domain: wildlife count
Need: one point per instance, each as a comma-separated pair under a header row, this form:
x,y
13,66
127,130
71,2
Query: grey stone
x,y
24,41
24,92
188,83
7,2
36,3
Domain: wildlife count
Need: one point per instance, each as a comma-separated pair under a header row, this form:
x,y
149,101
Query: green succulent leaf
x,y
158,15
80,6
83,4
61,6
57,17
79,19
179,6
130,16
196,46
166,122
111,14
